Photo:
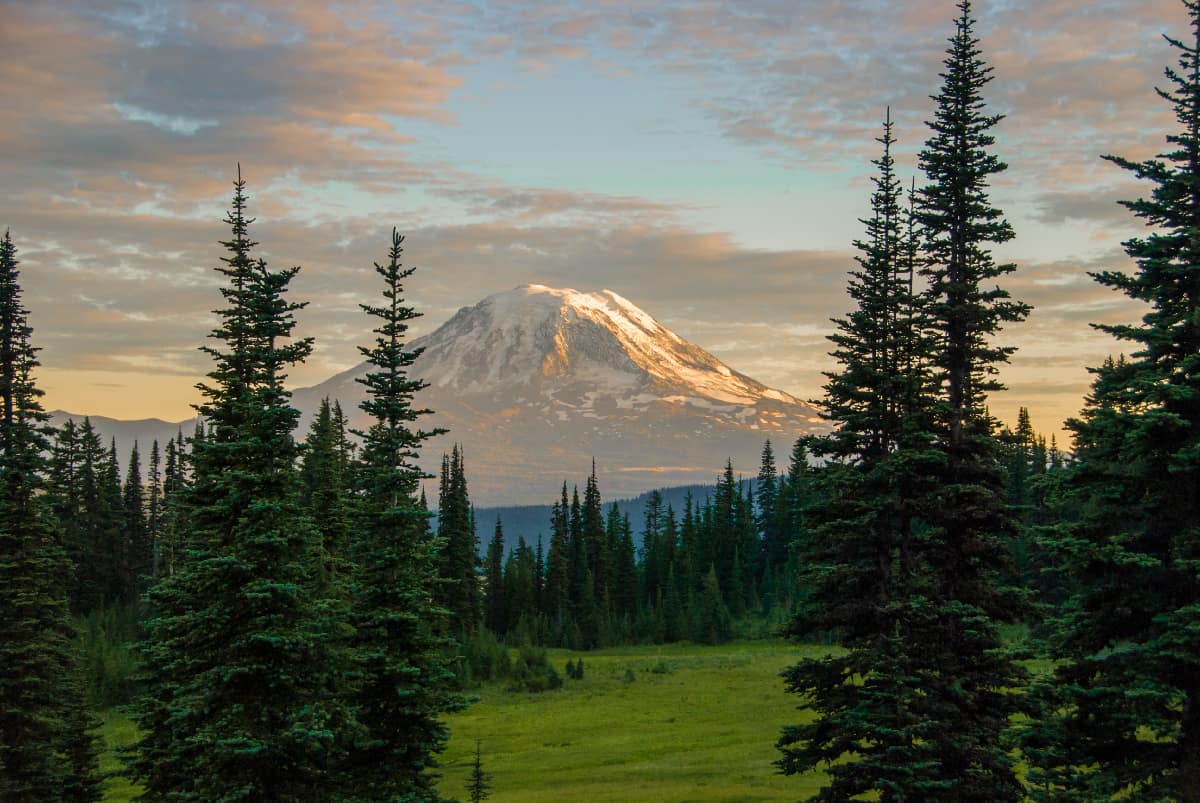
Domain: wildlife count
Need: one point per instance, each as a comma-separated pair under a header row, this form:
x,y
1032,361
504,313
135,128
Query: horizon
x,y
692,159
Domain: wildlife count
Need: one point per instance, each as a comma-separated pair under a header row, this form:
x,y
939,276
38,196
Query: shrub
x,y
109,664
532,672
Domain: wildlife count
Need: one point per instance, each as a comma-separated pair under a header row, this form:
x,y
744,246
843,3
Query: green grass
x,y
118,732
702,731
701,728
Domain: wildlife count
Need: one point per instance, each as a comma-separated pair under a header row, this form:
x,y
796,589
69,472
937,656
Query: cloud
x,y
121,125
160,101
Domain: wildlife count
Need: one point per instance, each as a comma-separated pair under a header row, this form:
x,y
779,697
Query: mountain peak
x,y
537,379
561,337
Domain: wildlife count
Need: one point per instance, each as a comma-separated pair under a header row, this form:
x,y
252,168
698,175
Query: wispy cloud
x,y
121,123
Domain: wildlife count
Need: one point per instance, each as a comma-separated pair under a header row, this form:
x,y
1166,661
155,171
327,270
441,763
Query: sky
x,y
710,161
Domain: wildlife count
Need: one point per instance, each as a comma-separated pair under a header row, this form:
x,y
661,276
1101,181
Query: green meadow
x,y
646,723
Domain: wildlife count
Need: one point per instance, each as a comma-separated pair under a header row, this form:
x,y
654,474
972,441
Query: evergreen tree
x,y
519,585
64,496
622,563
176,483
46,750
80,743
721,537
766,516
908,536
121,584
154,508
858,579
479,787
1122,710
672,614
494,582
459,550
138,546
405,679
557,600
324,493
85,493
240,667
539,577
712,622
652,554
971,683
594,539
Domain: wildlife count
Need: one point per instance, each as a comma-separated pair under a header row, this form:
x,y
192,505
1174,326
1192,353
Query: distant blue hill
x,y
532,521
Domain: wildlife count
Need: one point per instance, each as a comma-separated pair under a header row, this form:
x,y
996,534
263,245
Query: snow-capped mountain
x,y
536,381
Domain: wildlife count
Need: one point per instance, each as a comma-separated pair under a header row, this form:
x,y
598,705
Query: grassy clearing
x,y
694,724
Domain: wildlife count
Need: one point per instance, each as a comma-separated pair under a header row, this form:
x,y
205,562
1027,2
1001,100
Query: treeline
x,y
732,563
686,575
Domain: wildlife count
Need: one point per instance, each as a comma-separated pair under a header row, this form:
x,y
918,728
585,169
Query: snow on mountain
x,y
536,381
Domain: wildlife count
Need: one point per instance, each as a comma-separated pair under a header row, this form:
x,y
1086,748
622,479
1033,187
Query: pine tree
x,y
1122,713
971,683
652,554
85,494
46,750
713,624
405,679
240,665
479,786
138,546
64,498
80,743
722,537
594,540
766,517
557,600
494,582
175,524
519,586
324,493
622,563
121,583
860,579
459,550
154,509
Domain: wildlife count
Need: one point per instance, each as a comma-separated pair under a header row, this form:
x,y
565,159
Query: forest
x,y
977,614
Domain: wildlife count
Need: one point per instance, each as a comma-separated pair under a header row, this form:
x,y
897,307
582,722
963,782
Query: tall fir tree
x,y
138,546
493,573
154,508
861,578
459,592
622,564
47,751
1121,715
405,684
176,483
240,668
519,586
556,600
970,683
766,516
594,538
324,493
